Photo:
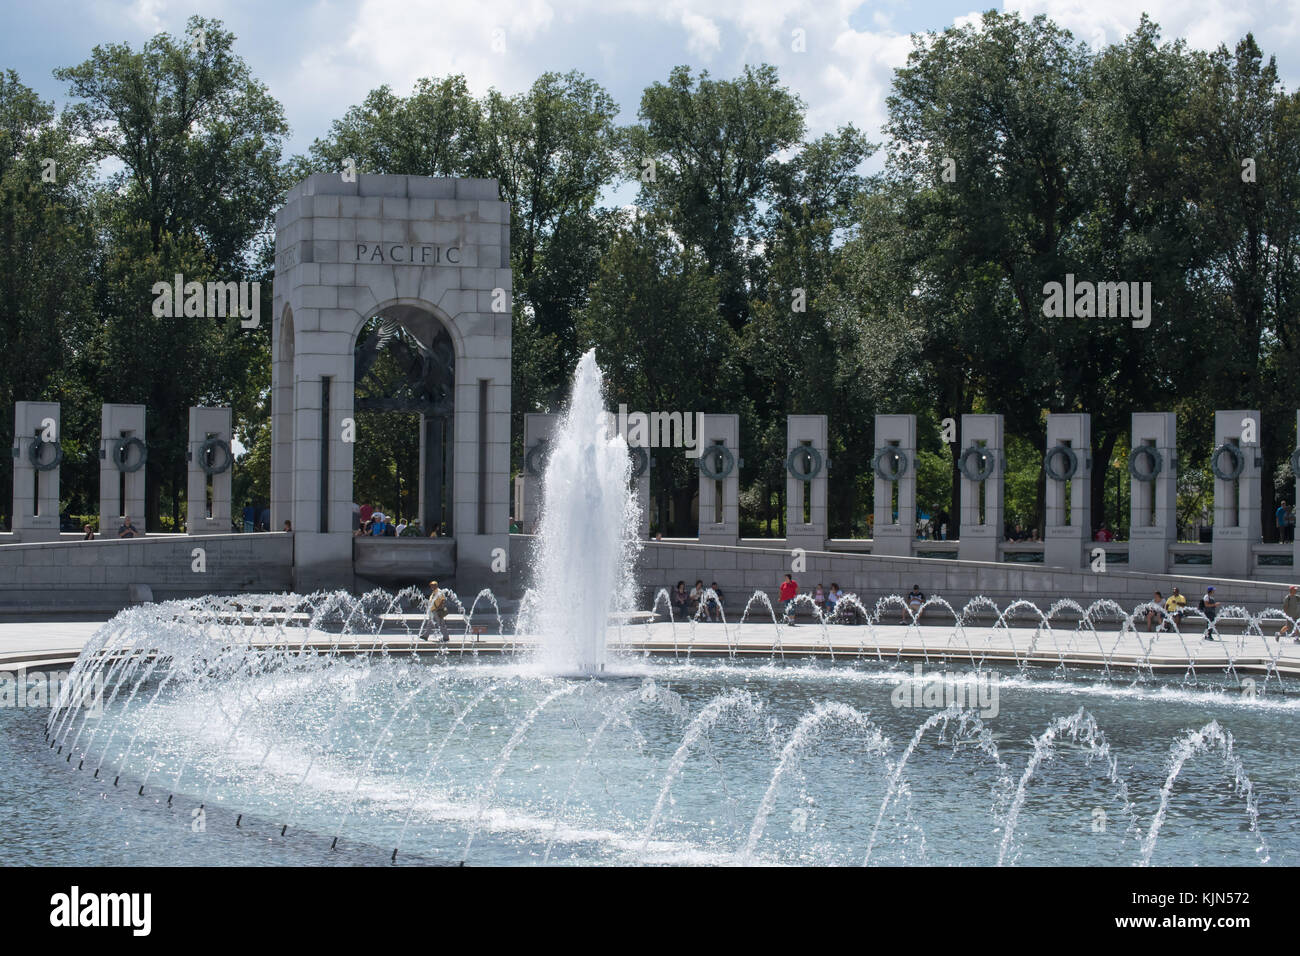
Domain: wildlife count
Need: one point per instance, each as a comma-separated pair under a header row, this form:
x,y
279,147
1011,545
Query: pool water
x,y
342,760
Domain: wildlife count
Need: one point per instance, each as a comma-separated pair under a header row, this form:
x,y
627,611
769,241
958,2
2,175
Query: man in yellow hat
x,y
437,608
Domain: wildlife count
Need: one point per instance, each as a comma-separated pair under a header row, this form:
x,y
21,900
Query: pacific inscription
x,y
403,254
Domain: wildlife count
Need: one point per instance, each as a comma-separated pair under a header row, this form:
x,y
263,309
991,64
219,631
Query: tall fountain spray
x,y
587,540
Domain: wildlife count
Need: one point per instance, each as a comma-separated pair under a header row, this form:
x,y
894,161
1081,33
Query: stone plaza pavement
x,y
49,644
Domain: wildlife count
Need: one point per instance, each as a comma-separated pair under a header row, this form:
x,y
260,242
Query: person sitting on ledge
x,y
1156,613
680,600
833,599
126,529
288,528
89,535
1175,608
1210,608
1290,607
715,603
915,599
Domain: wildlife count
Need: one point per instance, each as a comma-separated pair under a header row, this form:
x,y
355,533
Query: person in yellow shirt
x,y
1175,607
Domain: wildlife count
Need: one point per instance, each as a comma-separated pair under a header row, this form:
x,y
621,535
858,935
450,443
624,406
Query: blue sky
x,y
319,58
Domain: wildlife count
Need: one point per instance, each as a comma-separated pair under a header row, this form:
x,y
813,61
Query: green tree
x,y
47,253
653,319
715,147
199,143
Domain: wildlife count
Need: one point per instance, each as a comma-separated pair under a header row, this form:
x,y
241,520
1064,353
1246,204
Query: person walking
x,y
789,590
1210,607
1291,608
437,609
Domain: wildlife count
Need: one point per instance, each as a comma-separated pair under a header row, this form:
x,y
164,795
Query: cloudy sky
x,y
318,58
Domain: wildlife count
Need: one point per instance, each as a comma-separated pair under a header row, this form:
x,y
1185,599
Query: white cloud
x,y
321,57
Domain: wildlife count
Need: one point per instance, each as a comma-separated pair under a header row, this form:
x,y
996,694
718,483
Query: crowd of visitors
x,y
706,604
369,521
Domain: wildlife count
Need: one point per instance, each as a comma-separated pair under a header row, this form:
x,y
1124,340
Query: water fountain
x,y
586,543
324,725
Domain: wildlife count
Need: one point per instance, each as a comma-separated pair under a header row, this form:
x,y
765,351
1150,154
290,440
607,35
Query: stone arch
x,y
393,308
429,391
410,248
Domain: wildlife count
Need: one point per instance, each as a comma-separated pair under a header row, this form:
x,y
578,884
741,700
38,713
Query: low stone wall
x,y
740,571
98,575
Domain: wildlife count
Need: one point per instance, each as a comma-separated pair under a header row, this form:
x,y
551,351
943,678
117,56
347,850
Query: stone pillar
x,y
481,476
719,518
983,465
538,429
1069,515
210,436
895,456
641,480
1153,519
36,484
807,463
121,463
1236,465
282,413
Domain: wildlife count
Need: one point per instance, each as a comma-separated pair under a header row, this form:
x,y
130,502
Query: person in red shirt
x,y
789,588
